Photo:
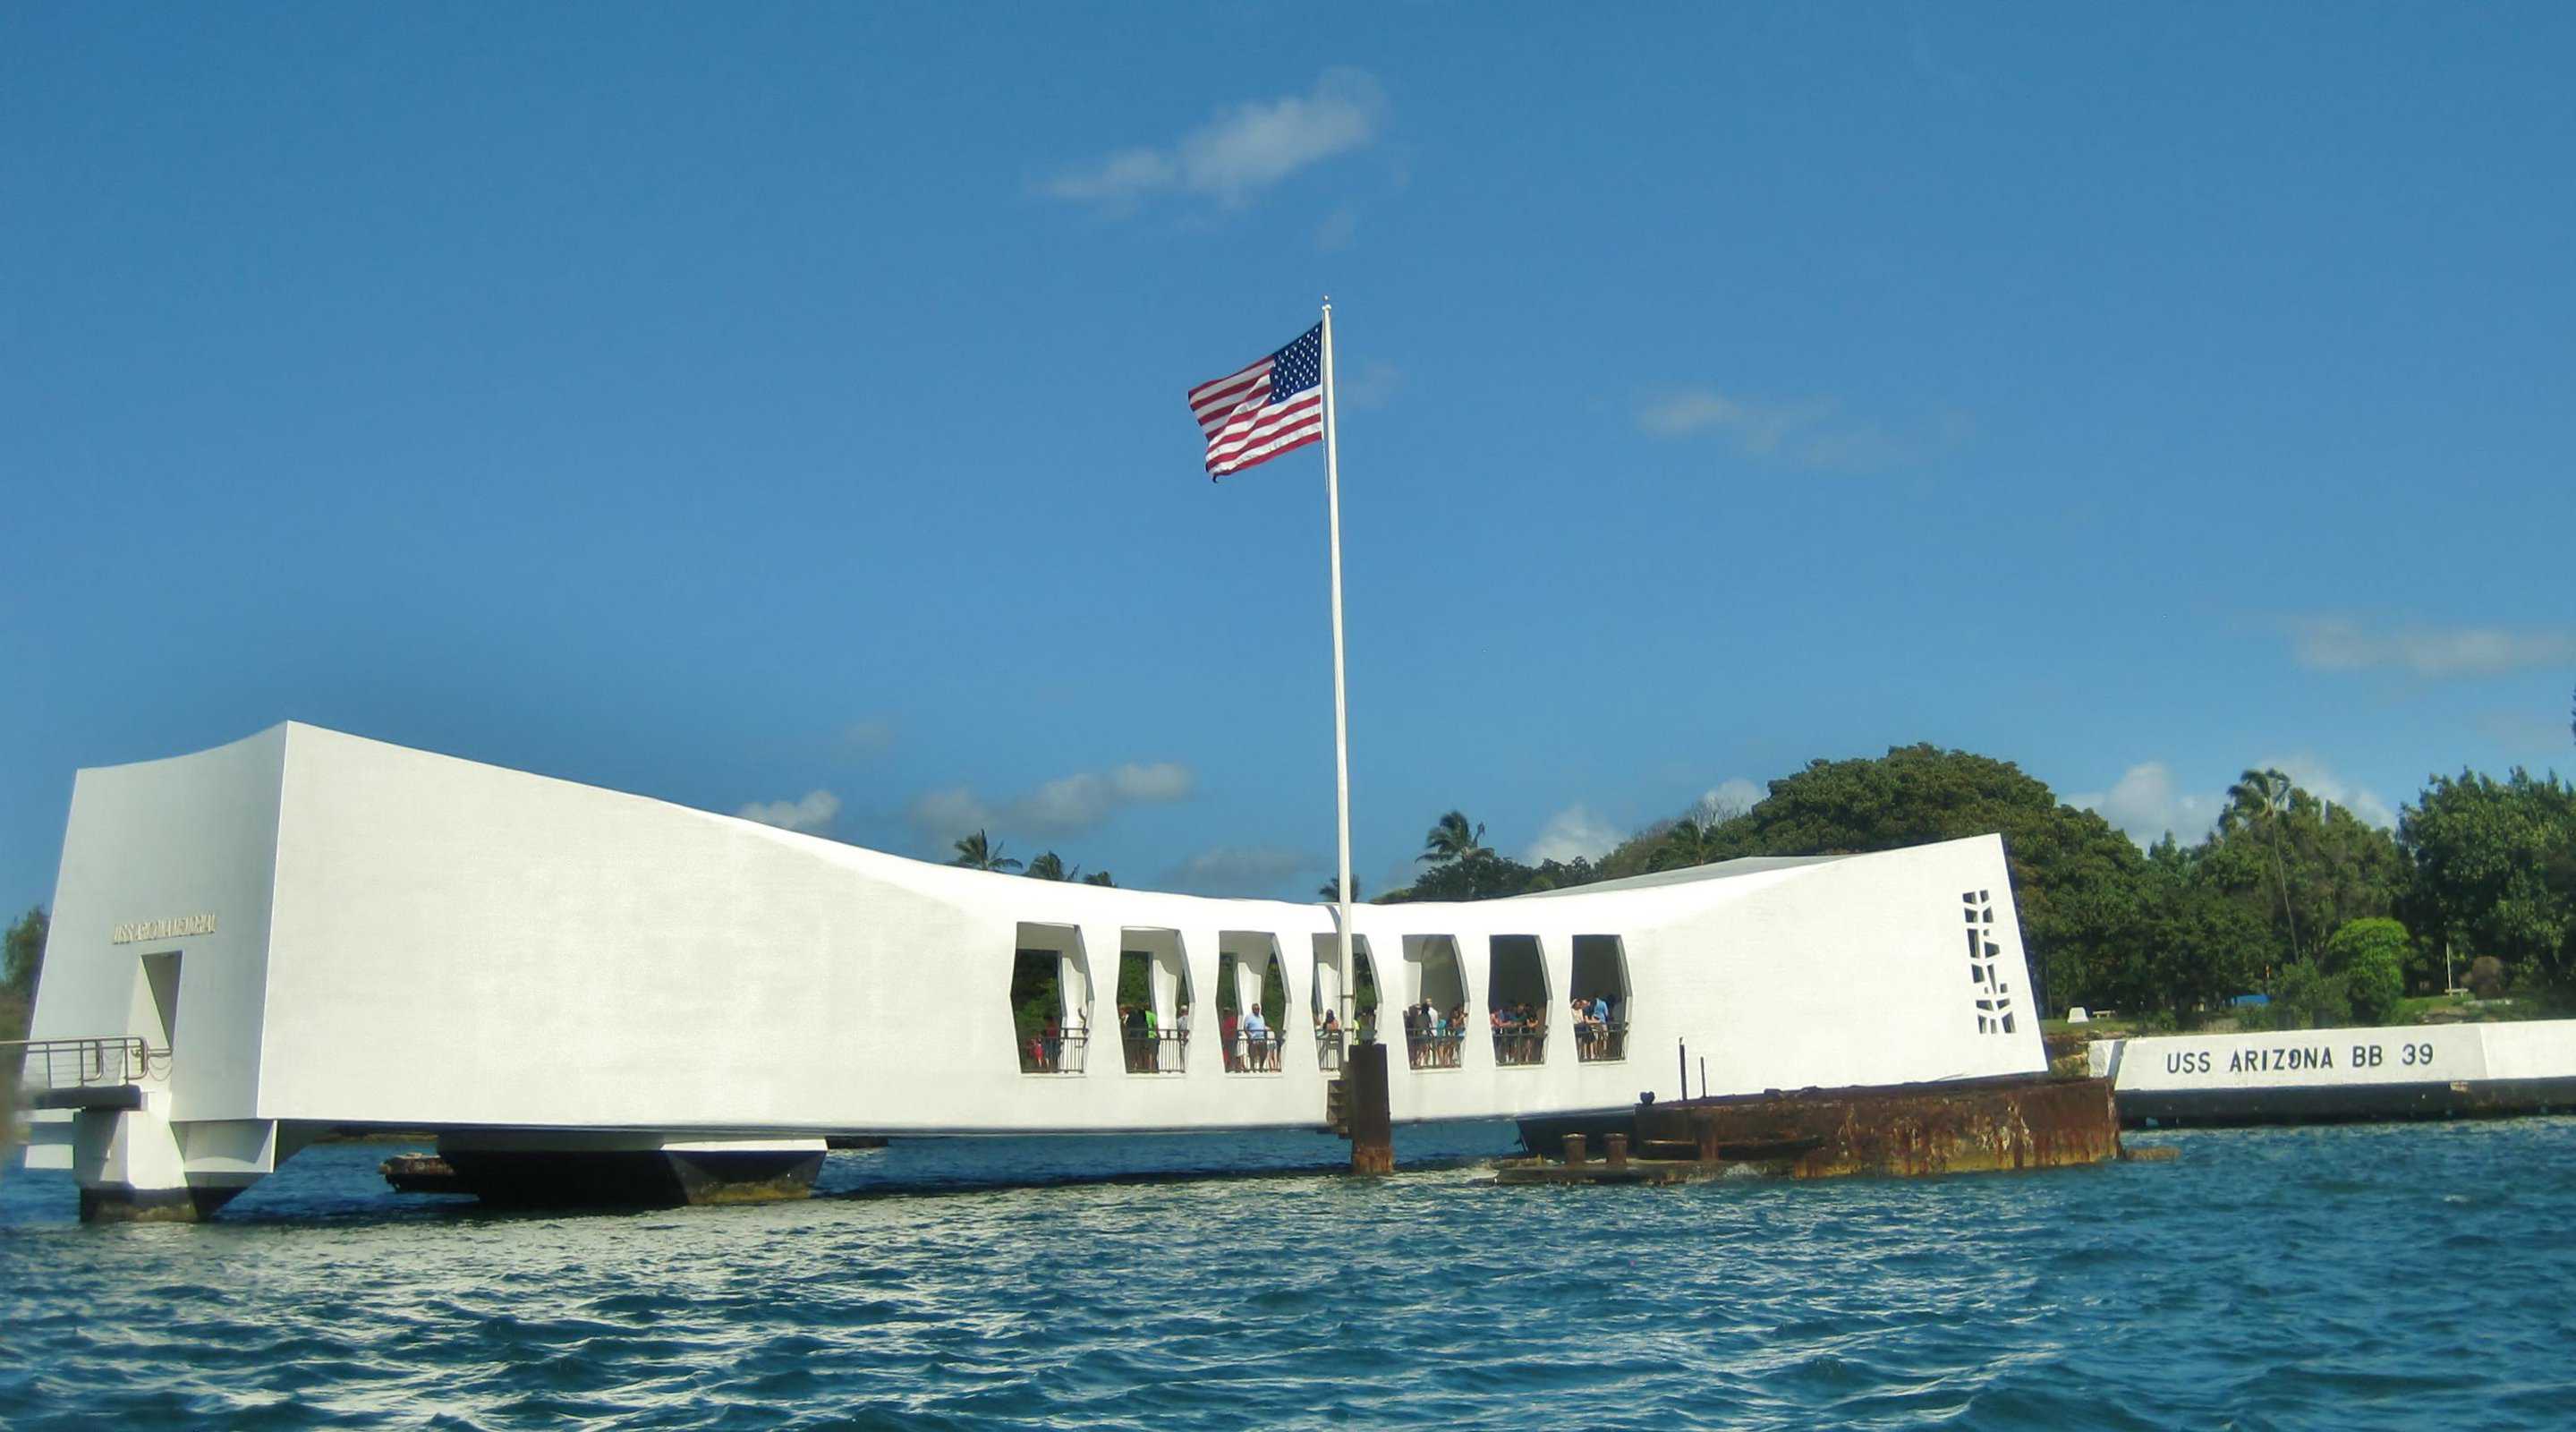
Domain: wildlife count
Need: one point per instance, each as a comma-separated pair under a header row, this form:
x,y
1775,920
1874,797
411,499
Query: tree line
x,y
980,852
2287,895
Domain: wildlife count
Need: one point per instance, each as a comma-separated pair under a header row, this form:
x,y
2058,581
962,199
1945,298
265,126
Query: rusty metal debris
x,y
1910,1130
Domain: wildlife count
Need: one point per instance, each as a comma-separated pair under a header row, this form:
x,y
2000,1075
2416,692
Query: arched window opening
x,y
1050,999
1516,1002
1600,998
1153,1001
1330,1037
1435,1016
1251,1000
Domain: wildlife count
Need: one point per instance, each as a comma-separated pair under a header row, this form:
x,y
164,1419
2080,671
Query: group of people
x,y
1520,1033
1595,1035
1145,1036
1251,1045
1055,1047
1431,1037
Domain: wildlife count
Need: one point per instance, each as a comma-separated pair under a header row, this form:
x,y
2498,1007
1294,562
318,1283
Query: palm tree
x,y
1688,843
1332,889
1050,866
1098,877
1453,840
2261,799
976,853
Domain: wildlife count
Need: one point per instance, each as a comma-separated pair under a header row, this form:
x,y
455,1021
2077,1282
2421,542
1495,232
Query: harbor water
x,y
2394,1276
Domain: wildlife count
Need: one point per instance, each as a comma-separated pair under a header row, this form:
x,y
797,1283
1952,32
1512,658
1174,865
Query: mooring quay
x,y
580,989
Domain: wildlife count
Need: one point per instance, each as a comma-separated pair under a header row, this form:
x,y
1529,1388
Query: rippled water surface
x,y
2406,1276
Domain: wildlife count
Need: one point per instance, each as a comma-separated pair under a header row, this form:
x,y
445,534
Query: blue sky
x,y
779,408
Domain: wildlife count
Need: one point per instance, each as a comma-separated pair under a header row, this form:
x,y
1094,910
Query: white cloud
x,y
2312,775
1240,150
2145,805
1067,805
1571,834
1120,178
811,814
2346,643
1258,870
1808,432
1732,796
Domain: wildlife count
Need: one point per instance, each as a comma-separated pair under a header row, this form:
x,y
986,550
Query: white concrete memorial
x,y
304,930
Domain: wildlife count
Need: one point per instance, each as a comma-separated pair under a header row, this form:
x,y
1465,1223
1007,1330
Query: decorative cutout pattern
x,y
1994,997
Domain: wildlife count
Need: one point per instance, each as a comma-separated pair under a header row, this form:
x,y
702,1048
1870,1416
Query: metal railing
x,y
1596,1043
1165,1051
84,1063
1520,1044
1328,1050
1253,1053
1433,1051
1058,1053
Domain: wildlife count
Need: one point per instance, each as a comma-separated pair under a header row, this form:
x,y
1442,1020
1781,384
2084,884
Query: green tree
x,y
26,952
1560,874
977,853
1098,877
1482,875
1452,839
1690,841
2495,869
2077,880
19,969
2180,945
2306,997
1048,865
2369,956
2259,802
1332,890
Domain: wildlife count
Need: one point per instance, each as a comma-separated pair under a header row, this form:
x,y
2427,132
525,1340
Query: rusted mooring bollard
x,y
1614,1150
1573,1149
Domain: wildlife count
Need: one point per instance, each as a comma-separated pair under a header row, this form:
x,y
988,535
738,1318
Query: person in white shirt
x,y
1256,1039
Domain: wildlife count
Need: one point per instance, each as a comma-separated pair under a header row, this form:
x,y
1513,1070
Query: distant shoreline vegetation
x,y
2334,920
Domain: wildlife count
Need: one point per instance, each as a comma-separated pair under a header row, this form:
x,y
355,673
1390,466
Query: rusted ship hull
x,y
1903,1131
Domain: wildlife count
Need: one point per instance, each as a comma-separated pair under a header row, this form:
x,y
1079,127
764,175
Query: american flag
x,y
1255,415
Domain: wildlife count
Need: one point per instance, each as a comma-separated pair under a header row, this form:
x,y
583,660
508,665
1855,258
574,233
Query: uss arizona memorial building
x,y
305,930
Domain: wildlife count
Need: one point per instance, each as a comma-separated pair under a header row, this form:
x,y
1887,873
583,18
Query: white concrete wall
x,y
459,945
2311,1058
171,841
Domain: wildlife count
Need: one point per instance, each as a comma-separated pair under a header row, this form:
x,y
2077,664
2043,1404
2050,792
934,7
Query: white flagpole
x,y
1341,704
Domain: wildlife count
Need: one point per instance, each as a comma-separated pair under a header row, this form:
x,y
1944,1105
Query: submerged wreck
x,y
1986,1125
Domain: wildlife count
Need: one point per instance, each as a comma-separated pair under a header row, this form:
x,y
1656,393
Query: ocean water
x,y
2361,1277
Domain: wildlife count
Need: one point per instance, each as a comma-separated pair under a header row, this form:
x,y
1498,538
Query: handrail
x,y
99,1060
1165,1051
1061,1052
1434,1051
1518,1044
1596,1043
1254,1052
1328,1050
